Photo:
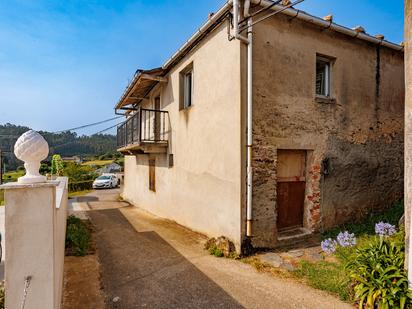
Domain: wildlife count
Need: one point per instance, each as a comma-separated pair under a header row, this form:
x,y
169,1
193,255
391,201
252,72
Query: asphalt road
x,y
148,262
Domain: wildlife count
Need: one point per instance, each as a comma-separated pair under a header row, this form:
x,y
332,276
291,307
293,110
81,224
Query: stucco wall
x,y
361,133
203,188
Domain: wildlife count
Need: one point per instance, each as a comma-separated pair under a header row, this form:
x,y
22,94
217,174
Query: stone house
x,y
267,136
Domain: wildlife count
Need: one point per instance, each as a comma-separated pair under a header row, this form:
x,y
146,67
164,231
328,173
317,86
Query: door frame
x,y
309,161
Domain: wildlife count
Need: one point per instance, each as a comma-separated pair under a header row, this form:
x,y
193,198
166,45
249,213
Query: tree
x,y
57,165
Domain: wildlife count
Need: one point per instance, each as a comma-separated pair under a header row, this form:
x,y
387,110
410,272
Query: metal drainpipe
x,y
249,109
249,112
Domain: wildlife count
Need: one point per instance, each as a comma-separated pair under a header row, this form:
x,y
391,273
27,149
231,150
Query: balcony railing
x,y
146,126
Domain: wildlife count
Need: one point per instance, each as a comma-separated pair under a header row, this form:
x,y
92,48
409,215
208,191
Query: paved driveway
x,y
148,262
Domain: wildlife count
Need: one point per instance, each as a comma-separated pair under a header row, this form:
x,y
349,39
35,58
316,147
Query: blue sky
x,y
65,63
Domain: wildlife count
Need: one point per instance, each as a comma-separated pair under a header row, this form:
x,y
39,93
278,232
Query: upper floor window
x,y
323,76
186,87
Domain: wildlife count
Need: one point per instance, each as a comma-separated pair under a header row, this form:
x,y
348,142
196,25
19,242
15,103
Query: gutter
x,y
180,53
327,24
202,30
290,12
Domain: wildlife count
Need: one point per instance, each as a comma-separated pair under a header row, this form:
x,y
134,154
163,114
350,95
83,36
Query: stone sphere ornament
x,y
31,148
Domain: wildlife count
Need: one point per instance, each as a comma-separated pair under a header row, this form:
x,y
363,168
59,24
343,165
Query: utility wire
x,y
260,11
9,135
108,128
271,14
88,125
104,130
72,129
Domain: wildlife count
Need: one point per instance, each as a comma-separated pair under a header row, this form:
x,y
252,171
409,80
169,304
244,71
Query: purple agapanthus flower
x,y
346,239
384,229
328,245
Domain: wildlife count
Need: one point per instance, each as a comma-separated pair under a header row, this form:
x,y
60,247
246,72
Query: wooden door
x,y
291,185
152,175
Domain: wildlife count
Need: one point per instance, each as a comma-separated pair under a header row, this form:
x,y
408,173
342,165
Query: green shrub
x,y
377,270
213,250
78,238
367,225
2,295
80,186
57,165
77,172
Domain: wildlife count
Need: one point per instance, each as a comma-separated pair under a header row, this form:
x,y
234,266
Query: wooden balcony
x,y
146,131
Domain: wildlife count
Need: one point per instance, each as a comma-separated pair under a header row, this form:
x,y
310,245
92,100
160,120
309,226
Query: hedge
x,y
80,186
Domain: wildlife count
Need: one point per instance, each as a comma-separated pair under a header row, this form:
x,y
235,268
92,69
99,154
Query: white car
x,y
106,181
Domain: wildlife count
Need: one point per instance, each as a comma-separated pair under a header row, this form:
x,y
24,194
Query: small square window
x,y
323,77
186,87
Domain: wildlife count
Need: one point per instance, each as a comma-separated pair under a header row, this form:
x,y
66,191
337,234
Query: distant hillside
x,y
65,144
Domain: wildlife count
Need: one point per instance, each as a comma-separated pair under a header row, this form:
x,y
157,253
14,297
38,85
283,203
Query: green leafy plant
x,y
366,226
213,250
78,238
57,165
2,295
380,279
76,172
77,186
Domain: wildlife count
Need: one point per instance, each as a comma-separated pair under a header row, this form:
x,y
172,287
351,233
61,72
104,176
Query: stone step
x,y
297,238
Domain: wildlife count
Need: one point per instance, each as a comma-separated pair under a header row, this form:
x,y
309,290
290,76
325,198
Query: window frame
x,y
186,92
187,89
328,76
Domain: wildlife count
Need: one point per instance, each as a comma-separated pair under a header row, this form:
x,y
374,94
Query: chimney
x,y
380,36
210,15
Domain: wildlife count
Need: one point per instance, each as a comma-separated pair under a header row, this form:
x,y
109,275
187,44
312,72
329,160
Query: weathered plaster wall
x,y
361,133
203,189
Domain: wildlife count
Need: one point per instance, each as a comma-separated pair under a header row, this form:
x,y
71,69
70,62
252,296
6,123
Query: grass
x,y
326,276
79,193
97,162
330,275
12,176
78,236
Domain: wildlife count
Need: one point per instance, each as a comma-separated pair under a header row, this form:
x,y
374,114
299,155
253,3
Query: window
x,y
152,175
323,77
186,87
188,84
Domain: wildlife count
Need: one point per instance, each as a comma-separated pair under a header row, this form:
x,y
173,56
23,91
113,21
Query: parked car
x,y
106,181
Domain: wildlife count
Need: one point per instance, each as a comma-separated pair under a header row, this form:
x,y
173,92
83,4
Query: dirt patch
x,y
82,277
82,288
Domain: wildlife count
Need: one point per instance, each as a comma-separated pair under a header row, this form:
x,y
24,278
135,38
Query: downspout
x,y
249,171
249,113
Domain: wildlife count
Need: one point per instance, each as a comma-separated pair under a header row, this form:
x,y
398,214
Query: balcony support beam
x,y
154,77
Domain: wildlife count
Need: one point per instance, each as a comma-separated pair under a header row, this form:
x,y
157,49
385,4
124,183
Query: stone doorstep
x,y
297,239
288,259
300,233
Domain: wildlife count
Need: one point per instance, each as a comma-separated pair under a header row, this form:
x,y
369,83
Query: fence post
x,y
35,224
